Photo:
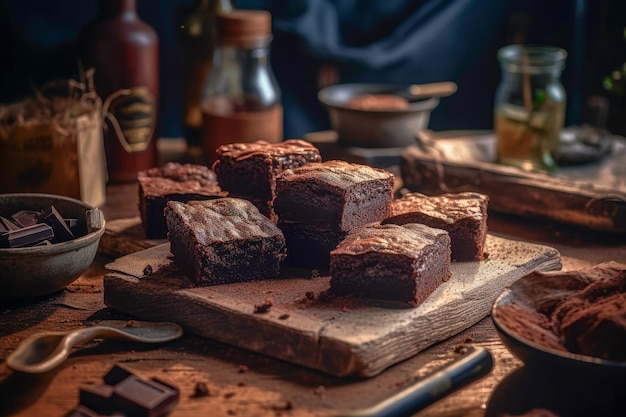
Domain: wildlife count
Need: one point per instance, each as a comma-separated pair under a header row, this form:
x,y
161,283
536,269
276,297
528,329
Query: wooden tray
x,y
343,336
589,195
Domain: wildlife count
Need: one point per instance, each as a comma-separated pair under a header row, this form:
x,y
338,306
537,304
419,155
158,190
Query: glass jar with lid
x,y
241,99
530,106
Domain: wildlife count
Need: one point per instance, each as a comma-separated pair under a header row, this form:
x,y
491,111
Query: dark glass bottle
x,y
197,40
124,51
241,100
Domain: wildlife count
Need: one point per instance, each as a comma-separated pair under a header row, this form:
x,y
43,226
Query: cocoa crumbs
x,y
284,316
462,348
287,405
148,270
200,390
131,323
263,307
242,369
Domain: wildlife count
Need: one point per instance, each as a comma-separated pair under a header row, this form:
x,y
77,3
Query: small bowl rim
x,y
427,104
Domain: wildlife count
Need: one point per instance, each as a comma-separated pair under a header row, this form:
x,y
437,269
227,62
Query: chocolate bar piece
x,y
26,236
53,218
97,397
6,225
25,218
81,411
128,394
144,397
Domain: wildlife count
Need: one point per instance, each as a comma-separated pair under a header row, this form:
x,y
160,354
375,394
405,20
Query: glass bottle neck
x,y
118,8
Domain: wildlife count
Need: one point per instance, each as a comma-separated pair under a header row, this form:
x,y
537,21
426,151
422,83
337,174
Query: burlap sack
x,y
52,143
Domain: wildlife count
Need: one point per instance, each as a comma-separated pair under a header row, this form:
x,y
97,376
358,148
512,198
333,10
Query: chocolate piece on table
x,y
53,218
82,411
6,225
26,236
26,218
129,395
144,397
97,398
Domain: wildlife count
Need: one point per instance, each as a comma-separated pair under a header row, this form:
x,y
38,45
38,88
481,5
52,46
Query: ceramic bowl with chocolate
x,y
568,320
46,242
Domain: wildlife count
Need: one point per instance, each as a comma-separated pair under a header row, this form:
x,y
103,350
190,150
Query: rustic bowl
x,y
374,128
531,291
41,270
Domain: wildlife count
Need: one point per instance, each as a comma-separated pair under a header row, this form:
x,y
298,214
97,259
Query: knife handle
x,y
477,363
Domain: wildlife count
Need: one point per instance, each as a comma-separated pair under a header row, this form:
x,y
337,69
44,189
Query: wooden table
x,y
242,383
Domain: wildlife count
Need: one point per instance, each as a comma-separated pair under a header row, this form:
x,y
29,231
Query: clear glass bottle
x,y
197,41
241,99
530,106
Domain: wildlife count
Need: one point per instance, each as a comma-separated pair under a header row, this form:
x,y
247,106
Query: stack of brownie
x,y
320,203
172,182
249,170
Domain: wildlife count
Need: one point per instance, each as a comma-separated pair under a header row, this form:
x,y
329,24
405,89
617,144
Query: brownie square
x,y
334,195
172,182
462,215
391,262
249,170
223,241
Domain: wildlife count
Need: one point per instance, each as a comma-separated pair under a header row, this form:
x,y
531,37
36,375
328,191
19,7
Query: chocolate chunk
x,y
143,397
129,395
81,411
117,374
25,218
26,236
97,397
72,223
7,225
53,218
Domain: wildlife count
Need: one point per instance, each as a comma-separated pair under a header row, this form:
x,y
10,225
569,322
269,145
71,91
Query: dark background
x,y
450,40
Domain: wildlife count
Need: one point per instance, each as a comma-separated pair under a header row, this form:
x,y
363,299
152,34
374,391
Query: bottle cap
x,y
244,26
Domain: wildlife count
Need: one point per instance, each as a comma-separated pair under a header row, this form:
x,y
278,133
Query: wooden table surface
x,y
242,383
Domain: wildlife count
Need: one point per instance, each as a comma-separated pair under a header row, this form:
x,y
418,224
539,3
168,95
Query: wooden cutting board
x,y
341,336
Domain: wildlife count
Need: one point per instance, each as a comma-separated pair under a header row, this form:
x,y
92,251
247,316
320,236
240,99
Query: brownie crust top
x,y
409,239
224,219
173,178
336,173
265,149
448,207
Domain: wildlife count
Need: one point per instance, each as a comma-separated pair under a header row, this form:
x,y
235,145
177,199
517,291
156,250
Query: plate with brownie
x,y
340,277
568,321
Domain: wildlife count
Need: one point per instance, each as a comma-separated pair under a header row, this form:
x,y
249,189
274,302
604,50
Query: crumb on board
x,y
263,307
242,368
284,316
147,270
132,323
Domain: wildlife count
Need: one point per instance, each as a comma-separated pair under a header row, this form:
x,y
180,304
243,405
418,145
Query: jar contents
x,y
530,107
241,101
197,41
